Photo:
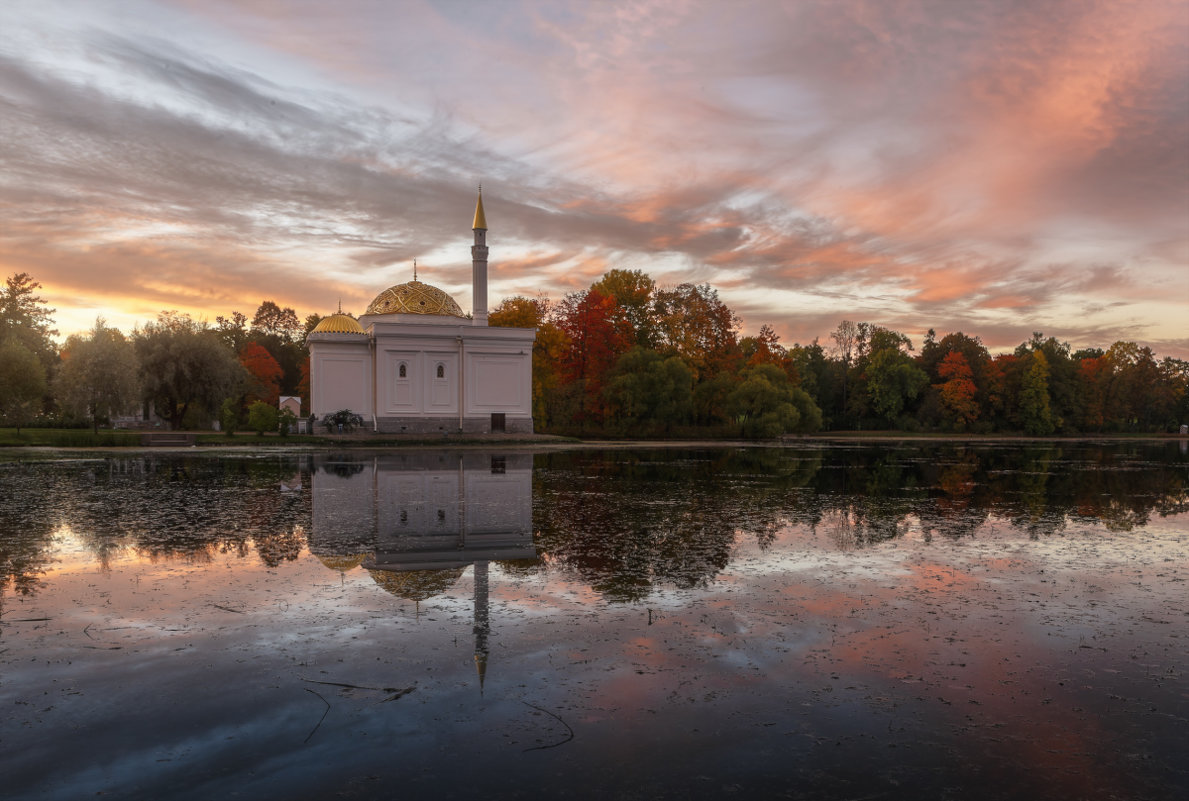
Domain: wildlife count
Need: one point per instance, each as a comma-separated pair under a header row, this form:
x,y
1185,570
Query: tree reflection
x,y
625,522
628,521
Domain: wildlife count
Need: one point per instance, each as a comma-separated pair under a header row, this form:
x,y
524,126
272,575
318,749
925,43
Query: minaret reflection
x,y
415,521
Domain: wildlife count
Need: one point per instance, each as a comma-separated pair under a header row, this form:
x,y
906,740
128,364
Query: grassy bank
x,y
67,438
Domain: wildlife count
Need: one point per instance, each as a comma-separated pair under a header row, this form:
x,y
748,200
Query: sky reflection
x,y
822,643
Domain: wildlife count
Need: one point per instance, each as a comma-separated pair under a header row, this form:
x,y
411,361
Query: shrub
x,y
343,417
262,417
287,420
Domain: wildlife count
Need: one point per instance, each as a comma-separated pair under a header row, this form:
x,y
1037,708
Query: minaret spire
x,y
479,263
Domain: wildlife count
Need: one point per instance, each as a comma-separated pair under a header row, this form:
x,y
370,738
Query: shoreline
x,y
552,442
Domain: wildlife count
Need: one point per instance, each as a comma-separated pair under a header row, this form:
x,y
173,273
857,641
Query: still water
x,y
819,622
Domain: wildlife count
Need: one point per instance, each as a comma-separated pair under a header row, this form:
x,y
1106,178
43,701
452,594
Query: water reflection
x,y
622,521
415,522
826,622
627,521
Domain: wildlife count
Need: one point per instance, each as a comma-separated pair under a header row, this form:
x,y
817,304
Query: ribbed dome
x,y
338,324
414,297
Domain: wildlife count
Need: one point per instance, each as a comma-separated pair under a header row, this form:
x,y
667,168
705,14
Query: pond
x,y
990,621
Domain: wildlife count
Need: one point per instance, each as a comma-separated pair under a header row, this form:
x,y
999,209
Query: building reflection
x,y
416,521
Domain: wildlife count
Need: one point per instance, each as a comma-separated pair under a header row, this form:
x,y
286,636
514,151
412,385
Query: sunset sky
x,y
990,166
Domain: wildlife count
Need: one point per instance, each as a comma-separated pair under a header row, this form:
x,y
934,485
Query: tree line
x,y
628,357
624,357
187,371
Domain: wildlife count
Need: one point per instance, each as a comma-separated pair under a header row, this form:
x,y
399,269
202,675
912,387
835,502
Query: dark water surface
x,y
905,621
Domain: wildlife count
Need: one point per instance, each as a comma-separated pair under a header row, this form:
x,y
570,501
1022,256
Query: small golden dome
x,y
343,563
416,585
339,323
414,297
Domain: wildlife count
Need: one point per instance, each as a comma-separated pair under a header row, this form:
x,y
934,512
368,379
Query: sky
x,y
990,166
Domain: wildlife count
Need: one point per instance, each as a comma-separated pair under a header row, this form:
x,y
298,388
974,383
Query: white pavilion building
x,y
414,363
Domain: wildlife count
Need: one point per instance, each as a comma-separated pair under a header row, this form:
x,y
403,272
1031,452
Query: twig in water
x,y
399,694
357,686
324,714
26,620
89,637
559,720
228,609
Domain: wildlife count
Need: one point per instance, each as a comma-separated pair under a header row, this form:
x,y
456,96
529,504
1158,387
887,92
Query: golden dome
x,y
338,324
416,585
414,297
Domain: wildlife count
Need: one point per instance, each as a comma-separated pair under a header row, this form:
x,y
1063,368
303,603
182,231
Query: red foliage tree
x,y
598,334
265,373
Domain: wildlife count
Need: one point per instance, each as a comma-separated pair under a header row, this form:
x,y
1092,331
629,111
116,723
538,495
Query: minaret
x,y
479,264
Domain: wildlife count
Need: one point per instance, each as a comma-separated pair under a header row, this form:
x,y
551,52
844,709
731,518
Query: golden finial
x,y
480,219
340,305
414,269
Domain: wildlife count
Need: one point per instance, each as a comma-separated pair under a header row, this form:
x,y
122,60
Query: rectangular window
x,y
497,422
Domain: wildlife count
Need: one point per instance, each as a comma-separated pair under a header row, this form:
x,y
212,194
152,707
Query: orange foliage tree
x,y
958,391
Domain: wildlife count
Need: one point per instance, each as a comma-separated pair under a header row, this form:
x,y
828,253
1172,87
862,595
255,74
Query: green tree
x,y
262,417
893,380
646,389
98,375
22,383
24,317
767,405
1035,411
182,363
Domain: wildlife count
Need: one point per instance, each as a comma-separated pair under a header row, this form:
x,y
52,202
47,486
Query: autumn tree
x,y
957,390
98,375
596,336
695,325
264,374
634,294
763,348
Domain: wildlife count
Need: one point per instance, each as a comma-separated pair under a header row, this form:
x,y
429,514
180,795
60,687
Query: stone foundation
x,y
449,425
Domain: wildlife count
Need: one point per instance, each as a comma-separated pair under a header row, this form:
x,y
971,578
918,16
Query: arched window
x,y
404,371
441,371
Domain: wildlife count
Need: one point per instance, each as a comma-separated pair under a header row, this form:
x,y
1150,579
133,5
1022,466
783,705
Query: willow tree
x,y
182,365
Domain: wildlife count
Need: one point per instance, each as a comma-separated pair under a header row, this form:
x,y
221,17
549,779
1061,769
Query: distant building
x,y
414,363
292,403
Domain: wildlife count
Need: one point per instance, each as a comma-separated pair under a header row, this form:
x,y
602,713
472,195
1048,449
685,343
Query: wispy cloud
x,y
990,167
